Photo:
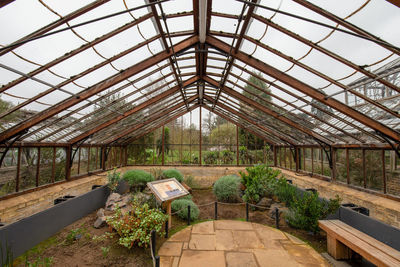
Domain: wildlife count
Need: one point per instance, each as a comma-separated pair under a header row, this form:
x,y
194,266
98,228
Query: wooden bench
x,y
343,240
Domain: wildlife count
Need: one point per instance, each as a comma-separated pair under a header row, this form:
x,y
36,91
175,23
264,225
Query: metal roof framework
x,y
158,60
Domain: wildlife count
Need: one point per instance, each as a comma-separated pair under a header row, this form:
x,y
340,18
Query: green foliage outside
x,y
258,180
226,188
113,178
306,210
211,157
173,173
181,206
137,177
224,134
166,142
135,228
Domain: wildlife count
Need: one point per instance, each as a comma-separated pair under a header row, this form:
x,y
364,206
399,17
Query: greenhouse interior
x,y
200,133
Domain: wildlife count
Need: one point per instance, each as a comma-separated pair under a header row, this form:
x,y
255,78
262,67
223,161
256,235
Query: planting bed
x,y
63,250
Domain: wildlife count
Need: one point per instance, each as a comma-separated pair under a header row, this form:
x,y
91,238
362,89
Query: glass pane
x,y
355,165
28,168
392,168
373,169
341,165
46,165
61,155
8,172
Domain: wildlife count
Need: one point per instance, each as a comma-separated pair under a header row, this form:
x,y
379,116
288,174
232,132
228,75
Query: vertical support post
x,y
103,158
181,146
79,160
275,159
312,160
153,242
277,218
200,158
88,160
166,229
247,211
384,172
264,153
190,137
157,261
53,168
304,158
126,156
333,158
322,161
38,167
162,146
284,157
188,215
297,159
18,169
290,159
121,156
68,163
215,210
364,168
237,145
97,158
347,166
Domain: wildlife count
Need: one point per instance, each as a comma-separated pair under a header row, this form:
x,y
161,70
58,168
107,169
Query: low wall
x,y
380,208
16,208
205,176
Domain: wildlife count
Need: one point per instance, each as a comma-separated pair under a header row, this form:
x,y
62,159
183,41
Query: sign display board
x,y
167,190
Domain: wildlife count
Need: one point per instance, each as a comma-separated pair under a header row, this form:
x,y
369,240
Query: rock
x,y
112,199
100,213
141,197
264,202
282,210
124,201
100,222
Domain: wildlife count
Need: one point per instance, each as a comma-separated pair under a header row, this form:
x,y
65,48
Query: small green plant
x,y
226,188
137,178
8,255
156,172
181,206
113,179
39,262
307,209
74,235
190,181
134,228
173,173
105,251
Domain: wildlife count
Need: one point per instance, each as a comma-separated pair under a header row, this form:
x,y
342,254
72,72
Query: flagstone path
x,y
234,244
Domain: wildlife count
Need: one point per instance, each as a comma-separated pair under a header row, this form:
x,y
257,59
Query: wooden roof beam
x,y
306,89
95,89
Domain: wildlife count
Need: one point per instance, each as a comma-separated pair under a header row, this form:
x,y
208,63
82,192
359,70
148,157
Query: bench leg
x,y
338,250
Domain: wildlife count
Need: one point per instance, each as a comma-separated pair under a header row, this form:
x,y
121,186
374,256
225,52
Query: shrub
x,y
173,173
226,188
211,157
113,179
259,181
307,209
284,191
188,197
135,228
180,206
137,177
190,181
227,157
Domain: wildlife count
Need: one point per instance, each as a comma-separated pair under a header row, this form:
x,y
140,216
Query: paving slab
x,y
232,225
182,236
224,240
236,243
240,259
202,242
198,258
203,228
247,239
170,249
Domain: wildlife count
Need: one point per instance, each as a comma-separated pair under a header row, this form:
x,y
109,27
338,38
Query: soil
x,y
64,251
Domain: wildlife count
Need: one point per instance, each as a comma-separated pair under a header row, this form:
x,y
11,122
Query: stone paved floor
x,y
236,244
